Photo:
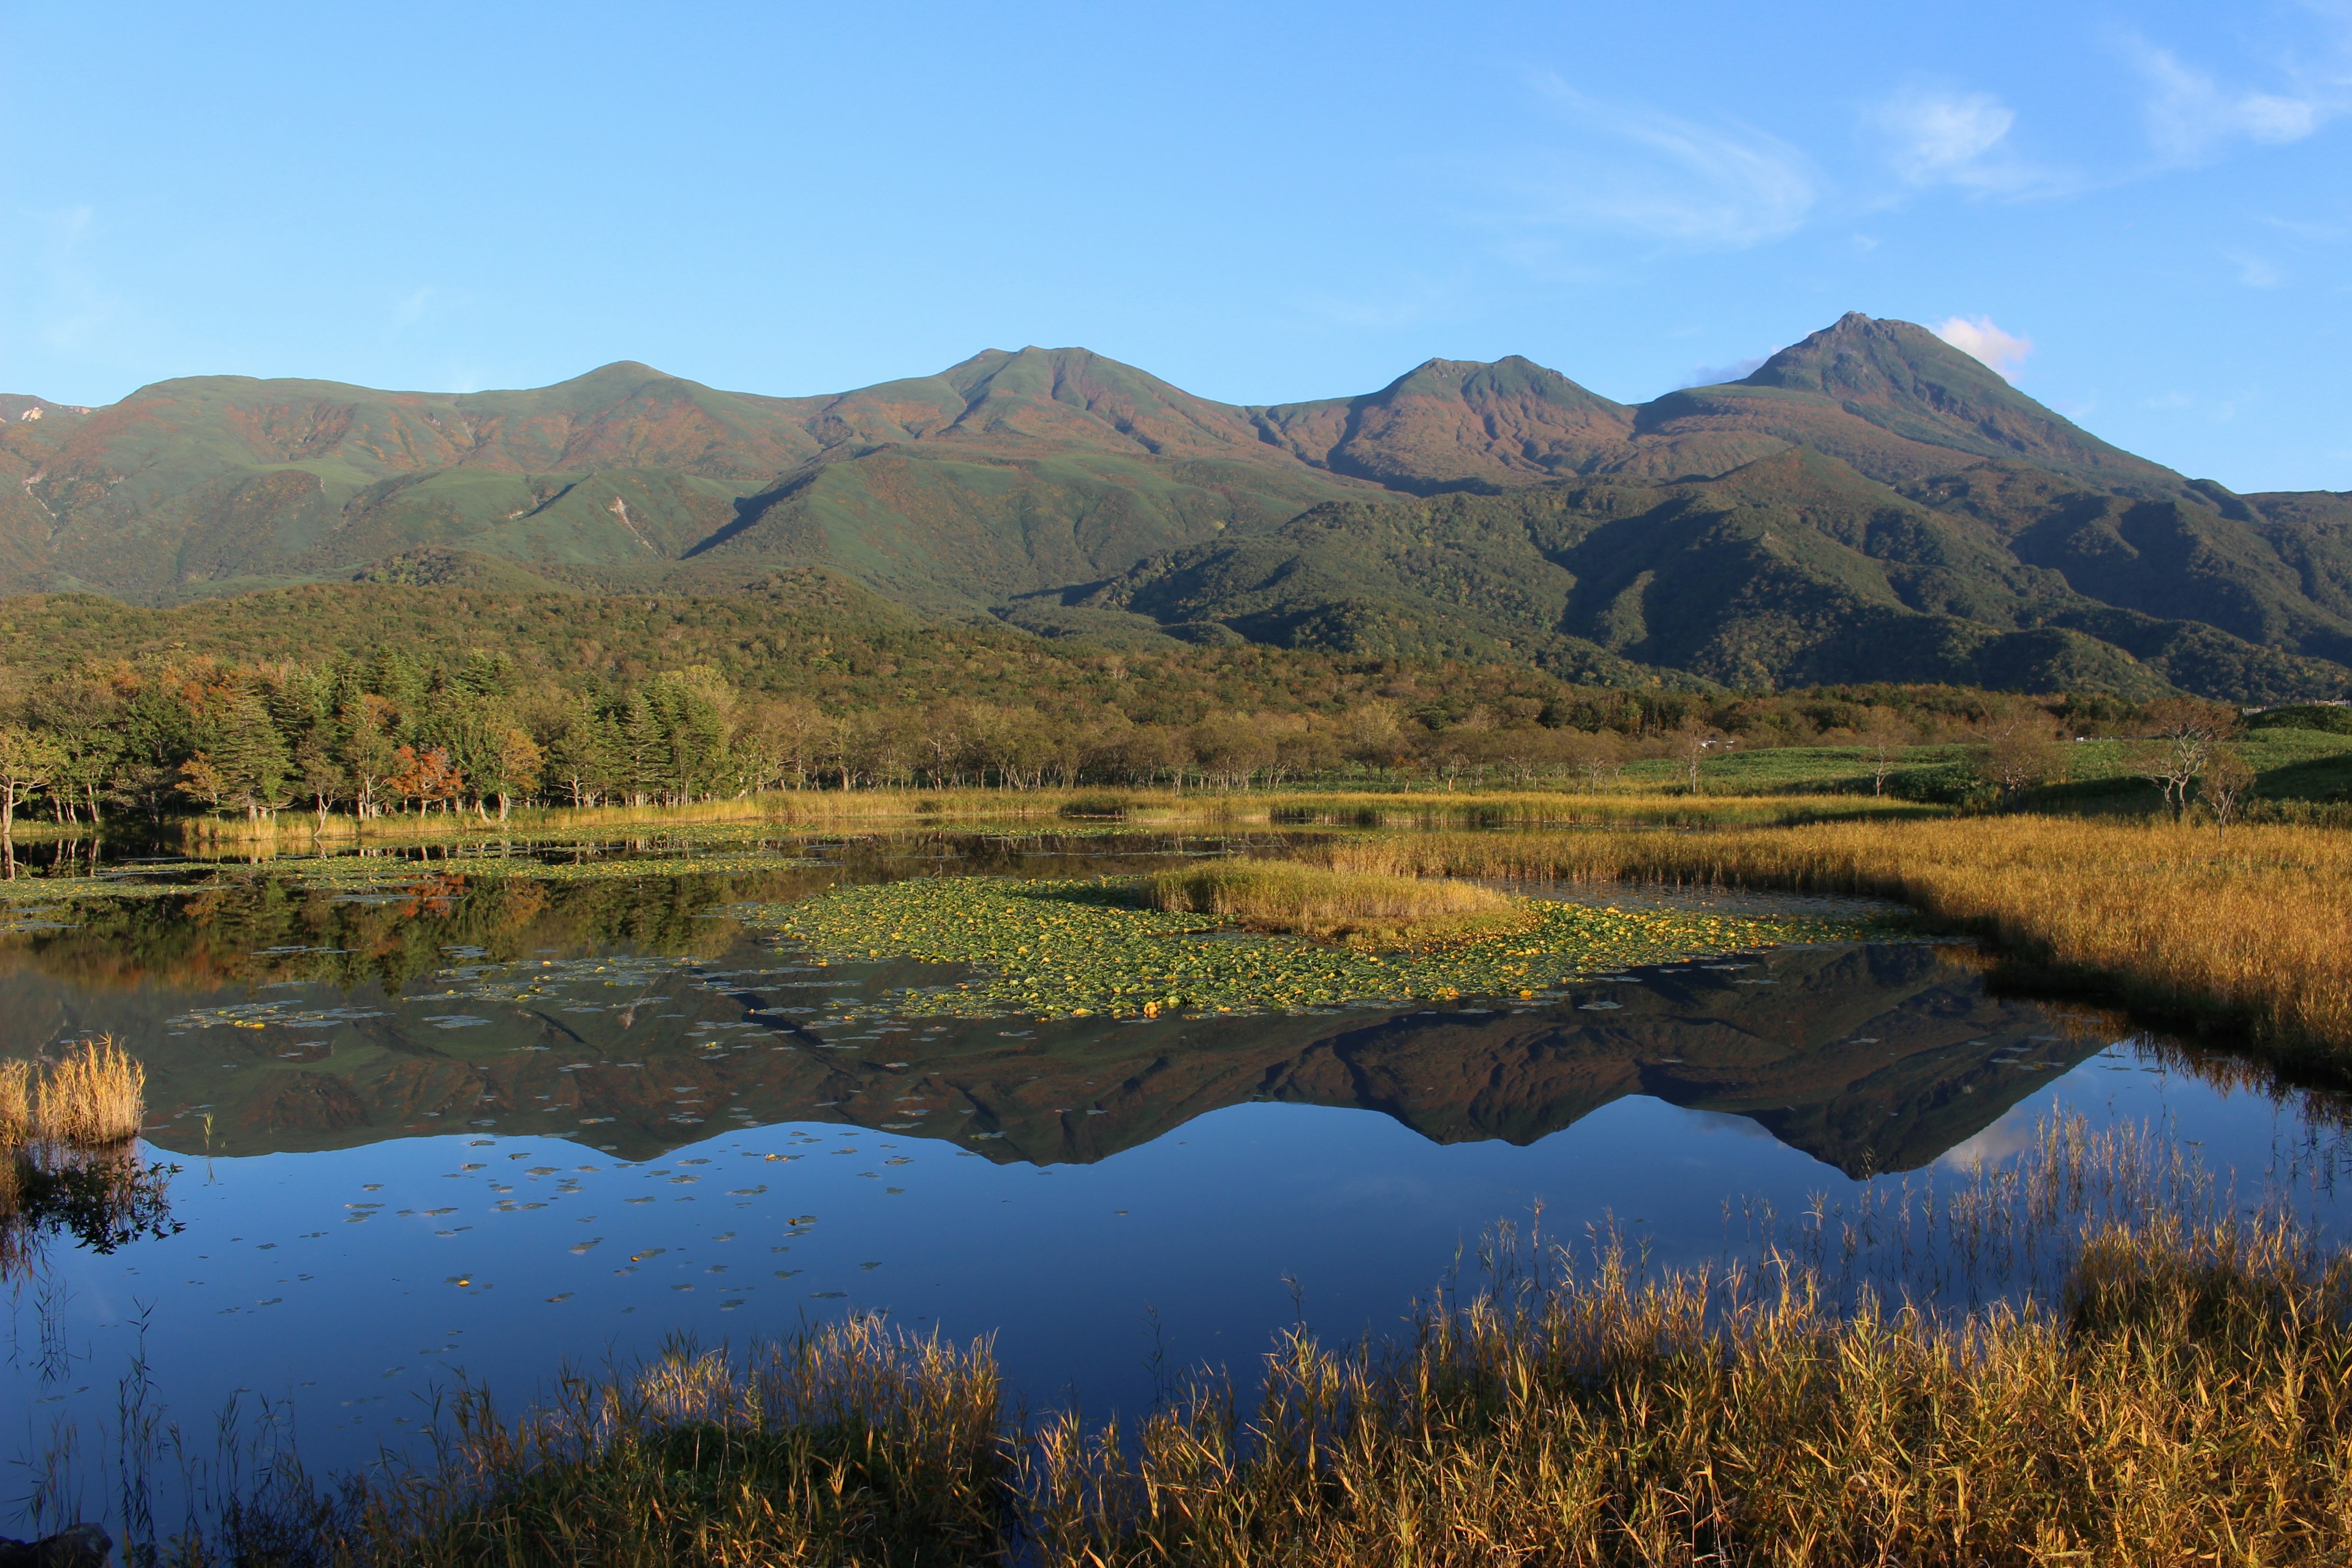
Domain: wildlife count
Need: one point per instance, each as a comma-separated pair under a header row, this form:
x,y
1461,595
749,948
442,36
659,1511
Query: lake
x,y
427,1124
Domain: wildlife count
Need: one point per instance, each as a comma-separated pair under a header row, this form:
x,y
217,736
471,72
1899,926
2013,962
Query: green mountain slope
x,y
1792,570
1871,503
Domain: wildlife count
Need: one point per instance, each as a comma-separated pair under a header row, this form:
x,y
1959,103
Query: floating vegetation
x,y
1072,948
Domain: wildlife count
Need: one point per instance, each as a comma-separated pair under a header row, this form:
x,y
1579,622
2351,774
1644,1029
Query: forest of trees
x,y
164,735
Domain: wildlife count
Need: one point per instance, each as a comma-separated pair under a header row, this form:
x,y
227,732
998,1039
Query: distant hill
x,y
1870,504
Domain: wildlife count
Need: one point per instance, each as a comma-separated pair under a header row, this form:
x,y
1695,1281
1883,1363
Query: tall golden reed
x,y
16,1103
840,808
2187,1402
1318,901
95,1097
2258,931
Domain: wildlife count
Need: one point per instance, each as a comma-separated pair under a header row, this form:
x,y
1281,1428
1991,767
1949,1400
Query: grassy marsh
x,y
1056,949
2250,933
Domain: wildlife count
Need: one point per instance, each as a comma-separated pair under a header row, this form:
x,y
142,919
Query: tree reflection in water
x,y
102,1199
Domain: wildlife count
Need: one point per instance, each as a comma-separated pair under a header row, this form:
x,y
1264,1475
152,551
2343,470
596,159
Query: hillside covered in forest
x,y
1870,504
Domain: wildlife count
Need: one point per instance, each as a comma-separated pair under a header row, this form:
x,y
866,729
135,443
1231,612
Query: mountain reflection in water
x,y
628,1017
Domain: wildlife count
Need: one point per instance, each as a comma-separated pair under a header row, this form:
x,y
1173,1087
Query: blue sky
x,y
2143,211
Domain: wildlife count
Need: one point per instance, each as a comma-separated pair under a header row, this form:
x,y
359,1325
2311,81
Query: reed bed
x,y
2252,933
1360,906
1567,808
839,808
2186,1401
853,1442
93,1098
302,829
15,1104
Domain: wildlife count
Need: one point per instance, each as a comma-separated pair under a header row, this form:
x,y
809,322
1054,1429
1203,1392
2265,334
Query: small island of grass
x,y
1115,945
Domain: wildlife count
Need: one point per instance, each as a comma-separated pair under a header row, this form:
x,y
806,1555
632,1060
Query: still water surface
x,y
478,1131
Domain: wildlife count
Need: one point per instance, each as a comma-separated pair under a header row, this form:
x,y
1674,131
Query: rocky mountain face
x,y
1871,503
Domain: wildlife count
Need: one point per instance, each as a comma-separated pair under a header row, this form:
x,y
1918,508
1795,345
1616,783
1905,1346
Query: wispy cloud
x,y
2194,117
1933,137
1942,135
411,310
2004,352
77,308
2306,230
2252,270
1679,182
1394,302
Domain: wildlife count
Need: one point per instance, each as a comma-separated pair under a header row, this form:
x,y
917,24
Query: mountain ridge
x,y
1869,496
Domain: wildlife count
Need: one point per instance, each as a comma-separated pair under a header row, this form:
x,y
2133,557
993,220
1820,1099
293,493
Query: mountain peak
x,y
1858,356
1453,424
1512,378
1905,380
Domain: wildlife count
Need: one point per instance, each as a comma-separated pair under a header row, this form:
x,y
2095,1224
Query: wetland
x,y
419,1122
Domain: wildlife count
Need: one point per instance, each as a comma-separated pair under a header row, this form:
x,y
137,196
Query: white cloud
x,y
1707,187
2019,1129
2004,352
2193,118
1717,374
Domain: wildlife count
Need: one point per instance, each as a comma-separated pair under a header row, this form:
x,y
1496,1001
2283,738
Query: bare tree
x,y
2223,786
1882,738
2019,749
1598,754
1689,743
2183,733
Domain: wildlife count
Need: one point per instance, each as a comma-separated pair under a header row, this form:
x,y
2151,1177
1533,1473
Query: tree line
x,y
397,733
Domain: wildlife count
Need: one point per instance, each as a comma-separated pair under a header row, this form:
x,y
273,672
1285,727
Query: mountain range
x,y
1871,503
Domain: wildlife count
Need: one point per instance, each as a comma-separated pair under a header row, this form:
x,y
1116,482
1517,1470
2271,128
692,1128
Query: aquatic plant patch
x,y
1076,948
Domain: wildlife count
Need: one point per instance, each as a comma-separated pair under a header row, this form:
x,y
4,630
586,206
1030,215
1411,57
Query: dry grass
x,y
292,828
15,1104
93,1099
2188,1401
2255,933
837,808
852,1444
1365,909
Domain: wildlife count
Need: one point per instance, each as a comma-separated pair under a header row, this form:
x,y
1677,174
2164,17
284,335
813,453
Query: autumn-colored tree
x,y
428,777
